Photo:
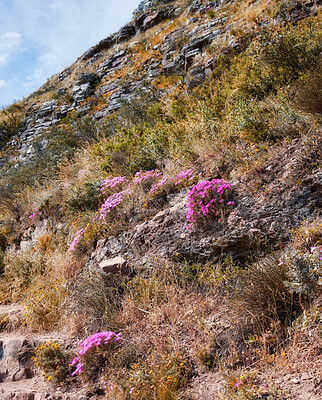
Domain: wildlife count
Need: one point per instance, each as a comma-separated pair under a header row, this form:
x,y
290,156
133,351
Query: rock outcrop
x,y
182,51
259,220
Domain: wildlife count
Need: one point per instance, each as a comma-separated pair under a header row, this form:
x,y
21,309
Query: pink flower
x,y
79,369
77,238
111,182
75,360
207,197
111,202
186,174
145,175
94,340
34,215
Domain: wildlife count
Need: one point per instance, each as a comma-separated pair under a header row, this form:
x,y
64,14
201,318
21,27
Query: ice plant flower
x,y
111,182
36,213
93,341
145,175
184,175
207,197
111,202
77,238
159,184
79,369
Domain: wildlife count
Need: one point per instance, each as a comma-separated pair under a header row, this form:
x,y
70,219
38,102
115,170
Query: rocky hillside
x,y
161,202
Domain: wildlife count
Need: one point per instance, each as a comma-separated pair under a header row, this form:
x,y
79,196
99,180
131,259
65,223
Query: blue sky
x,y
39,38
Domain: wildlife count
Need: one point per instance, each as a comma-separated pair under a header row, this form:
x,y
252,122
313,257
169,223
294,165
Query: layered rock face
x,y
183,52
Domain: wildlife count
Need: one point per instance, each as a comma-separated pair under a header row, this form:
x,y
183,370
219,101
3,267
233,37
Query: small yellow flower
x,y
49,378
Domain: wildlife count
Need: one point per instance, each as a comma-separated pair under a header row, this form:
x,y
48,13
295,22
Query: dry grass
x,y
308,235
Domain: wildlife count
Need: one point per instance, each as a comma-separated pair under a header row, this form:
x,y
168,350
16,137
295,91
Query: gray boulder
x,y
47,108
104,44
125,33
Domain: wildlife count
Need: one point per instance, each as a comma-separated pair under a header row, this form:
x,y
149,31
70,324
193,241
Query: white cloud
x,y
2,83
47,36
9,43
49,59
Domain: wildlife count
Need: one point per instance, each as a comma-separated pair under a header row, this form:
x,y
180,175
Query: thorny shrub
x,y
53,361
94,299
276,290
21,267
262,298
309,91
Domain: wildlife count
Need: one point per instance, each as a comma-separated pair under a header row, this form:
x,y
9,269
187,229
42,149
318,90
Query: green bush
x,y
291,51
84,198
136,149
137,109
246,118
42,303
22,266
159,376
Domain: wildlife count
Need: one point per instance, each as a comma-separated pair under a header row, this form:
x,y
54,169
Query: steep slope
x,y
167,186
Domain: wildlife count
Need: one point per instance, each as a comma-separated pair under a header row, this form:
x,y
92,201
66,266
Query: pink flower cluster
x,y
159,184
111,182
145,175
207,197
36,213
111,202
186,175
92,341
77,239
